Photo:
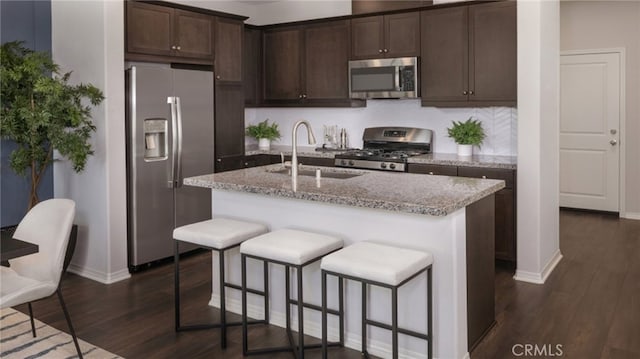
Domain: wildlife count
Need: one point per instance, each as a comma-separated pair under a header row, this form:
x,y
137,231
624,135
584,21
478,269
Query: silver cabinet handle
x,y
304,96
484,177
613,142
431,173
386,50
300,96
471,92
380,51
464,92
219,160
178,48
173,47
218,77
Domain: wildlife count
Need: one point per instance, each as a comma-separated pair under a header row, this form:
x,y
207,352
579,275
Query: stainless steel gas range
x,y
387,148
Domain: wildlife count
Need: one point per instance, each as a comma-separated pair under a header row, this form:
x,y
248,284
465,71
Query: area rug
x,y
16,340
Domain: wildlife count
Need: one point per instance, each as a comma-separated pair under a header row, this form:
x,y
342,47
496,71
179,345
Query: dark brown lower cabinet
x,y
505,209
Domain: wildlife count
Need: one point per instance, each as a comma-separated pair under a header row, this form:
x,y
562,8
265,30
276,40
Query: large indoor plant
x,y
466,134
42,112
264,133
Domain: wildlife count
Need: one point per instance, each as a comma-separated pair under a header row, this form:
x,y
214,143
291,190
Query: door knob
x,y
613,142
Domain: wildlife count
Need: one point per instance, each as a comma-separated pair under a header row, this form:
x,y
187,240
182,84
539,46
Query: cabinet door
x,y
493,40
252,59
326,60
402,35
445,55
149,29
193,34
367,37
229,125
505,225
229,37
282,64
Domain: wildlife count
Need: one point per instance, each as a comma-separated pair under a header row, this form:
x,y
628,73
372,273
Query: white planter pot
x,y
264,144
465,150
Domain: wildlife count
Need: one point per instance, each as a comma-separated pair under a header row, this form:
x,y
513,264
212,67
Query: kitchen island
x,y
451,217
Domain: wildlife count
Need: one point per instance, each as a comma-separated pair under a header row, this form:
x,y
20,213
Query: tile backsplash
x,y
499,123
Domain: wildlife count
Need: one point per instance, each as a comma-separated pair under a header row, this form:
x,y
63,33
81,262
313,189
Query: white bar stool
x,y
292,249
219,234
384,266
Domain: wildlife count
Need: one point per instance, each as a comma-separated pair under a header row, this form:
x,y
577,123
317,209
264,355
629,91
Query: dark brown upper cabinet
x,y
229,38
468,56
396,35
252,60
154,30
307,65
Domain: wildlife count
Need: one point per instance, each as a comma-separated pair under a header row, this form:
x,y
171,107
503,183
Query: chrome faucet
x,y
294,150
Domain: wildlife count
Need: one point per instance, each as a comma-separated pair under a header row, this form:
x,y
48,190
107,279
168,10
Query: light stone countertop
x,y
446,159
400,192
452,159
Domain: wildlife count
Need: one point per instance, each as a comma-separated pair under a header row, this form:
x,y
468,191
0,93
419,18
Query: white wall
x,y
538,144
500,123
87,37
588,25
272,12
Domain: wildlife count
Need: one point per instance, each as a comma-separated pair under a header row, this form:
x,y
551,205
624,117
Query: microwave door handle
x,y
399,78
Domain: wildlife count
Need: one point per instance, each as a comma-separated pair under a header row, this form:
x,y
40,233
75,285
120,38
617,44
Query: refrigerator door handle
x,y
178,177
174,141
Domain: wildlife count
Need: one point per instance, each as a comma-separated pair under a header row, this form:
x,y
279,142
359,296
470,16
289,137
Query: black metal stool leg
x,y
33,325
288,298
394,322
324,315
223,307
364,318
341,309
265,270
245,344
66,315
176,280
430,313
300,315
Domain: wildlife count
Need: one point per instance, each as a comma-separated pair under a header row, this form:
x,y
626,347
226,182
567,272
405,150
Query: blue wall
x,y
29,21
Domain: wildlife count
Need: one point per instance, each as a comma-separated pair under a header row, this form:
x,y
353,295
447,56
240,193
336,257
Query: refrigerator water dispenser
x,y
155,139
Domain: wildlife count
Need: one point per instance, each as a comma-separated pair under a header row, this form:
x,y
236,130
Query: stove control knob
x,y
351,163
392,166
343,162
383,165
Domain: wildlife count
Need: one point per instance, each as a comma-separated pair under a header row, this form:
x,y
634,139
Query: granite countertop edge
x,y
209,181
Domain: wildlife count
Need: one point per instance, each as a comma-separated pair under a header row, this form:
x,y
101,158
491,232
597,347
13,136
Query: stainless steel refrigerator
x,y
169,121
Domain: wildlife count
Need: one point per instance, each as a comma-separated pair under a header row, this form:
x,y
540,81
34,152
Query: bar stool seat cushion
x,y
219,233
377,262
290,246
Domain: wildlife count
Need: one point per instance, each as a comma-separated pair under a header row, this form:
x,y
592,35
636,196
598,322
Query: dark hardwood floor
x,y
590,305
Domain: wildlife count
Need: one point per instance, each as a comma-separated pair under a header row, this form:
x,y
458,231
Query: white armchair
x,y
37,276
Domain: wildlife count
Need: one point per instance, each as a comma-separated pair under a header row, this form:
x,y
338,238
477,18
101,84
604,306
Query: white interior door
x,y
590,131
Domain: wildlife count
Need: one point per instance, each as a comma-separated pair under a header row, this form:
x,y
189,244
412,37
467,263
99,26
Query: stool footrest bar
x,y
400,330
315,307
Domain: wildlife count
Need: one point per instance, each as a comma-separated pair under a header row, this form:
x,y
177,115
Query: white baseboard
x,y
632,215
351,340
539,278
102,277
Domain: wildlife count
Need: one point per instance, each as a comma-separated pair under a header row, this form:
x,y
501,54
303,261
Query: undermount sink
x,y
312,173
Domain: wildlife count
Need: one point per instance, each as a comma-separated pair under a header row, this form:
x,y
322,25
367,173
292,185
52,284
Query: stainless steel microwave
x,y
384,78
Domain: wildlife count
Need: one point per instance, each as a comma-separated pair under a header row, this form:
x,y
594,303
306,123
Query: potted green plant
x,y
466,134
264,133
42,112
